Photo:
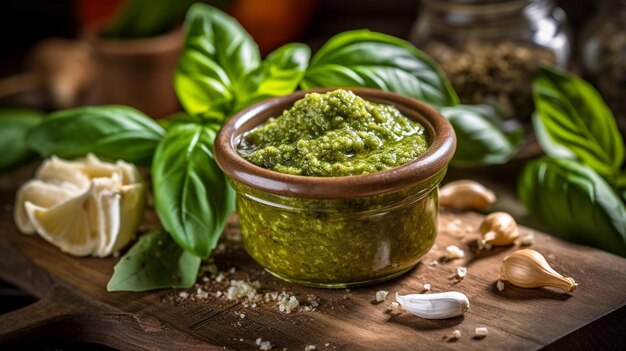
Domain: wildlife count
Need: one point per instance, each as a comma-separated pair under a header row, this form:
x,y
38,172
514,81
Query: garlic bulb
x,y
84,207
435,306
529,269
466,195
499,228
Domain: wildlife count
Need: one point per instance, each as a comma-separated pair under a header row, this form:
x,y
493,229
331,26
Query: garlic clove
x,y
466,195
435,306
85,207
499,228
529,269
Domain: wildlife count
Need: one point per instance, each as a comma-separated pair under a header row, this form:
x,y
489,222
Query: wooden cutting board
x,y
74,303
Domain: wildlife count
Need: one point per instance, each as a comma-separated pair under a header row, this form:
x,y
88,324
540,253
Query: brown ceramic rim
x,y
441,138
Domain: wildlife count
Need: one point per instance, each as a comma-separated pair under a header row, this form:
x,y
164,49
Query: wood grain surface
x,y
75,305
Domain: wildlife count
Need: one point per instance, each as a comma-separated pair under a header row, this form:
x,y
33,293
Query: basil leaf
x,y
191,195
177,118
547,144
218,54
14,124
574,117
154,262
279,74
482,137
368,59
111,132
574,202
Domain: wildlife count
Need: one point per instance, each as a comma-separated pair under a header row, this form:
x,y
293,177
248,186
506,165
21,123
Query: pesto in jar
x,y
339,243
334,134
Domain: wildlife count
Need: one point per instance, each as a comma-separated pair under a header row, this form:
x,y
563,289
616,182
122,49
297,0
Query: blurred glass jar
x,y
603,55
490,49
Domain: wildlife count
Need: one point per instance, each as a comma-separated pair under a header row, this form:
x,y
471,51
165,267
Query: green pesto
x,y
339,243
334,134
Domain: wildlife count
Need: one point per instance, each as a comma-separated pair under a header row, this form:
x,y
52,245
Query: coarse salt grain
x,y
500,285
461,272
396,307
242,316
427,287
481,332
265,345
183,294
454,252
239,289
527,239
381,295
456,334
287,304
310,348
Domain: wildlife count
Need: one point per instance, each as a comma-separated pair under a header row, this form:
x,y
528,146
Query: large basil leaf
x,y
14,124
368,59
218,54
575,118
111,132
482,137
574,202
279,74
191,195
154,262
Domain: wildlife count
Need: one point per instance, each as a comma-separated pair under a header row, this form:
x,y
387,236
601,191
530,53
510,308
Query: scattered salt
x,y
287,304
427,287
396,307
454,252
527,239
381,295
310,348
456,334
481,332
183,294
500,285
461,272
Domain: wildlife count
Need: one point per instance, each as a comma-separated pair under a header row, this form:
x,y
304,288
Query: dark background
x,y
25,22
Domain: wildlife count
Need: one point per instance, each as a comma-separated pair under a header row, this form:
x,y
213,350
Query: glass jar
x,y
339,242
490,49
603,55
338,232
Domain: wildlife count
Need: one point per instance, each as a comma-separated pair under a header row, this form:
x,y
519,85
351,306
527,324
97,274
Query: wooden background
x,y
74,304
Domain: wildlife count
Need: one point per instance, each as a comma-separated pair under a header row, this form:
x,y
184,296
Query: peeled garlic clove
x,y
499,228
466,195
529,269
435,306
85,207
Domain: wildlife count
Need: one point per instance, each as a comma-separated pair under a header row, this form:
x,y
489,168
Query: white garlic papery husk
x,y
84,207
529,269
466,195
499,228
435,306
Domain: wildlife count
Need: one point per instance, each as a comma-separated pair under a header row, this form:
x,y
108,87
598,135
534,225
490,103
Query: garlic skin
x,y
499,228
529,269
435,306
466,195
